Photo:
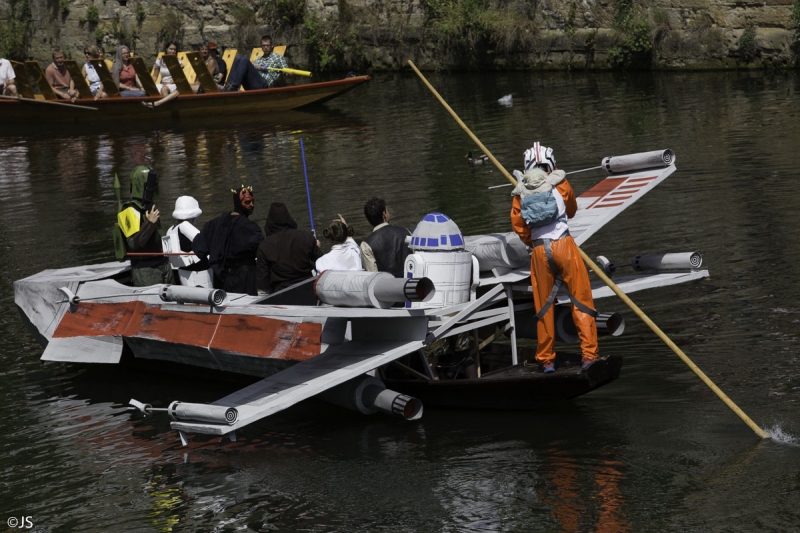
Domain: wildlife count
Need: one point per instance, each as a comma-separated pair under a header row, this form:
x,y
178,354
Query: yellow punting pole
x,y
663,336
464,126
291,71
741,414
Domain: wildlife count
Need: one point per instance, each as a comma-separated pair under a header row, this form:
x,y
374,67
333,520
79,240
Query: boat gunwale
x,y
103,102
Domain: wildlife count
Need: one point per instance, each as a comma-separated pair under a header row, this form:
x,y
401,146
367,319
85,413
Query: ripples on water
x,y
654,451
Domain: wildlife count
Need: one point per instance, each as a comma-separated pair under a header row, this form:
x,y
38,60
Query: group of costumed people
x,y
237,256
242,259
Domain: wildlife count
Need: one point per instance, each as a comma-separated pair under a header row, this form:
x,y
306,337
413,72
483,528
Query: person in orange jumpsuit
x,y
543,200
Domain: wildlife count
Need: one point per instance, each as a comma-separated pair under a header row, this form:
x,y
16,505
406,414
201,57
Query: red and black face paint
x,y
244,201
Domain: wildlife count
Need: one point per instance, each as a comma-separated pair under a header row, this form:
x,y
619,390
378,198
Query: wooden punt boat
x,y
185,106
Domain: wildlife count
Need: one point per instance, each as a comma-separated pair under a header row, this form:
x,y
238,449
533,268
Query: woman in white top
x,y
345,253
89,72
167,86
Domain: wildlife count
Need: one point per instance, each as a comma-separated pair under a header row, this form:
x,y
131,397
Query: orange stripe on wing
x,y
98,319
603,188
244,334
193,329
268,337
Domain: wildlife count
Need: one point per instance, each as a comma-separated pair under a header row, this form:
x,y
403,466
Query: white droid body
x,y
437,253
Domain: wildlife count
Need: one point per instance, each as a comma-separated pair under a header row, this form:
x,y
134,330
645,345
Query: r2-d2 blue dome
x,y
437,252
436,233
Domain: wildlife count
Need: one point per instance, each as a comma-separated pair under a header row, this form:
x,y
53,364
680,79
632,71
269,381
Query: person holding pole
x,y
613,286
260,74
543,200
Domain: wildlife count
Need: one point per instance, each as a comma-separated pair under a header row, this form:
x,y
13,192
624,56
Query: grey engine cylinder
x,y
680,261
640,161
200,412
192,295
368,395
370,289
612,324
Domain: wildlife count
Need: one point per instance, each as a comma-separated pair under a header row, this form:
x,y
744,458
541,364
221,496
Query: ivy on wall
x,y
15,33
635,45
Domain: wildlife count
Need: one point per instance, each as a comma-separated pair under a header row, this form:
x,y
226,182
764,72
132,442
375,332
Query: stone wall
x,y
382,34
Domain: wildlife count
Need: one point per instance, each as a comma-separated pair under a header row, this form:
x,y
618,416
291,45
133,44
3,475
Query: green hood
x,y
138,181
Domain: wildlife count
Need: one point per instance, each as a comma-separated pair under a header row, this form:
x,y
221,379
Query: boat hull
x,y
208,105
517,387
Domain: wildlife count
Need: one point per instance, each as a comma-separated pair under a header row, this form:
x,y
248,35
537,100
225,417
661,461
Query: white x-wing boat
x,y
367,341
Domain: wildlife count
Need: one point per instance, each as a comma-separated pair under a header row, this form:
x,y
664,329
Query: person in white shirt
x,y
345,253
8,87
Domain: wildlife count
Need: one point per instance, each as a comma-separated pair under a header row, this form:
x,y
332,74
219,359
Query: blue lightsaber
x,y
308,193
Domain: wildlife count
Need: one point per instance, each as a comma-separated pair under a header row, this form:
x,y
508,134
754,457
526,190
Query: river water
x,y
654,451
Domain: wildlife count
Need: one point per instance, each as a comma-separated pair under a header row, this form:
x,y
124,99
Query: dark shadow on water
x,y
315,118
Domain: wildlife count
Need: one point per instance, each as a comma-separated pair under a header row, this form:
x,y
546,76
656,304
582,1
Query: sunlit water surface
x,y
653,451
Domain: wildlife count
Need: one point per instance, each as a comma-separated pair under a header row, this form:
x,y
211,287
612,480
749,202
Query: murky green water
x,y
653,451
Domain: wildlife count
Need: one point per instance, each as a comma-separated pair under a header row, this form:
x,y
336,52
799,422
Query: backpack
x,y
127,224
540,209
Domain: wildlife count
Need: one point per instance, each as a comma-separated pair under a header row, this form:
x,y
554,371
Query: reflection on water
x,y
654,451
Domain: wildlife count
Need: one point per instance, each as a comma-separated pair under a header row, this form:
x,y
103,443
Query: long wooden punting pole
x,y
597,270
157,254
48,102
292,71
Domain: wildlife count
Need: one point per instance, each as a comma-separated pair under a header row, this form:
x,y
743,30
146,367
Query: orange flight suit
x,y
574,274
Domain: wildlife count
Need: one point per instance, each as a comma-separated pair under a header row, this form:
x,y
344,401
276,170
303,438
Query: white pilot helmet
x,y
540,156
186,208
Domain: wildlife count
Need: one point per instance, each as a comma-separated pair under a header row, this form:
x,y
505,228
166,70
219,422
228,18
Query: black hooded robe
x,y
230,242
287,255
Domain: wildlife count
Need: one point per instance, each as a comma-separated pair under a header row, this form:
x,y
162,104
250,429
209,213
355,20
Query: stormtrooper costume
x,y
192,271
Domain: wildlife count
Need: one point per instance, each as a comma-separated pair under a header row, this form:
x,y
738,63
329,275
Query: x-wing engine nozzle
x,y
680,261
200,412
191,412
658,262
192,295
641,161
612,324
368,395
370,289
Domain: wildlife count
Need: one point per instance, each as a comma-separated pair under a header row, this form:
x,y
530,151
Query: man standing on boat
x,y
8,87
230,243
385,249
256,75
543,200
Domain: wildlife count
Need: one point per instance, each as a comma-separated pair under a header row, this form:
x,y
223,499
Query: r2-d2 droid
x,y
437,253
